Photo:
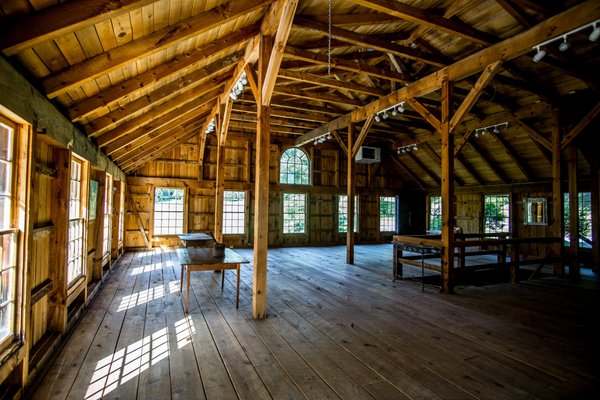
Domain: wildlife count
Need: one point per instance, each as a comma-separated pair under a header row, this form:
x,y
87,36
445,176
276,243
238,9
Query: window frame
x,y
154,211
107,216
296,164
505,218
395,216
580,211
12,234
431,217
78,219
305,213
240,216
356,212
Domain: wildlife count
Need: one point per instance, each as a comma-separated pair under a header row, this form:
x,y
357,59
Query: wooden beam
x,y
469,101
407,171
60,19
517,13
317,96
261,190
124,135
356,19
556,218
350,191
508,49
94,67
371,42
143,81
428,19
362,135
425,113
346,65
223,126
283,30
252,81
499,174
581,125
466,165
332,83
119,116
338,139
434,177
447,190
514,156
437,160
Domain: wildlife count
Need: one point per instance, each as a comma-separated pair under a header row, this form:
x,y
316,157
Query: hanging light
x,y
401,107
539,55
377,118
496,130
595,33
385,115
564,46
394,112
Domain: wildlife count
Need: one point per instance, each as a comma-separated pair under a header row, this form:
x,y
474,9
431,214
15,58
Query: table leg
x,y
181,280
237,288
187,292
222,280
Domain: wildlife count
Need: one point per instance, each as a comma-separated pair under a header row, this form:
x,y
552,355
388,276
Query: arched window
x,y
294,167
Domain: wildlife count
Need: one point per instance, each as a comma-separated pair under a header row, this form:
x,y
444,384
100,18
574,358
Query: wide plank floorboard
x,y
333,331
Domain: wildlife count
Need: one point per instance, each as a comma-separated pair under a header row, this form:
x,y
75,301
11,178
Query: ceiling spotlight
x,y
415,148
401,107
564,46
595,33
403,150
476,134
394,112
398,150
233,95
413,45
377,118
496,130
385,115
540,54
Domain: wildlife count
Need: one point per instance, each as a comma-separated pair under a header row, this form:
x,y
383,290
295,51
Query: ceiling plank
x,y
581,125
514,156
61,19
499,174
177,116
508,49
517,13
407,171
142,81
85,71
371,42
284,27
426,18
474,94
112,120
437,161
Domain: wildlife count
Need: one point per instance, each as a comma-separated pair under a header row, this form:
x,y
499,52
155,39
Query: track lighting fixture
x,y
539,55
494,128
238,88
407,149
383,114
322,139
565,45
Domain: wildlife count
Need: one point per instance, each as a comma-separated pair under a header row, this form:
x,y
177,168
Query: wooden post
x,y
557,196
574,212
447,191
261,198
60,234
351,186
224,116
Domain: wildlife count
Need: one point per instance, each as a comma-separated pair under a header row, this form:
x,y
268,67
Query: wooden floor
x,y
333,331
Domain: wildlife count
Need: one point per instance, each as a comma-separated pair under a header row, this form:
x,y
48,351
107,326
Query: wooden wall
x,y
179,167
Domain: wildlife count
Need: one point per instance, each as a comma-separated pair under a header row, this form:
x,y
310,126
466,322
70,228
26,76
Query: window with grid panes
x,y
107,207
8,234
294,167
234,212
496,209
294,213
168,211
76,223
584,218
343,213
387,214
435,213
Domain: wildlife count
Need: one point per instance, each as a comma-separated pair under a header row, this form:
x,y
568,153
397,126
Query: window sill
x,y
10,358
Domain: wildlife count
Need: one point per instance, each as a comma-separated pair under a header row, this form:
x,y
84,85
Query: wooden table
x,y
202,259
195,239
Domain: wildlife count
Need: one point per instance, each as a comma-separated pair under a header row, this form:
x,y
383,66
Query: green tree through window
x,y
294,167
496,213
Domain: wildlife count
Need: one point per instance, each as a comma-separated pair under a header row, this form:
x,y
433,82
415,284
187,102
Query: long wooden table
x,y
202,259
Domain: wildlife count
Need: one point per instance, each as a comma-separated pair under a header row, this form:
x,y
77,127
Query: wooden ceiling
x,y
142,76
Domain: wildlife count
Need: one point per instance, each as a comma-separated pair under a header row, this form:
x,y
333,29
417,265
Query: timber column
x,y
261,188
447,191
